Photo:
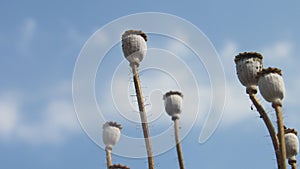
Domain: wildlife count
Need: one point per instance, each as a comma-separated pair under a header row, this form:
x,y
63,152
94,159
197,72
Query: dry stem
x,y
281,138
268,124
143,116
108,157
178,145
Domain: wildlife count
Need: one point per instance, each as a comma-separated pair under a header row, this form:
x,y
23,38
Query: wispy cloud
x,y
58,121
279,50
236,104
27,29
9,117
54,123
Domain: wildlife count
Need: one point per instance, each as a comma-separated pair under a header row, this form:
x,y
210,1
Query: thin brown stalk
x,y
108,157
281,138
268,124
178,145
143,116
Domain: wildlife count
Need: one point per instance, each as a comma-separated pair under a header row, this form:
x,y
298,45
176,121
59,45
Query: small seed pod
x,y
271,85
134,46
118,166
173,103
248,64
292,145
111,133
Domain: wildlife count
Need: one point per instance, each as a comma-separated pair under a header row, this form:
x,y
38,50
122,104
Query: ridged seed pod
x,y
248,64
292,145
271,85
111,133
173,103
134,46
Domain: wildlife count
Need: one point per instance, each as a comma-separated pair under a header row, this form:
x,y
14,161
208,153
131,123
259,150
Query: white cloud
x,y
8,115
229,50
227,54
278,50
53,124
28,29
237,105
57,122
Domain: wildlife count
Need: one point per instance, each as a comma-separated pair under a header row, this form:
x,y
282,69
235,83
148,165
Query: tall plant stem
x,y
177,139
268,124
281,138
108,157
143,116
293,163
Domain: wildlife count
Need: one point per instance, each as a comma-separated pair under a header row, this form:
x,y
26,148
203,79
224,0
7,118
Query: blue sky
x,y
40,42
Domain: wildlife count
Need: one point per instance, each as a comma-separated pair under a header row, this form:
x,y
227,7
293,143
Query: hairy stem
x,y
143,116
178,145
281,135
268,124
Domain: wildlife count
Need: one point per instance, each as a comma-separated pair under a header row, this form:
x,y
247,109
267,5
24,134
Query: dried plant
x,y
251,74
134,48
111,135
118,166
292,146
271,87
173,106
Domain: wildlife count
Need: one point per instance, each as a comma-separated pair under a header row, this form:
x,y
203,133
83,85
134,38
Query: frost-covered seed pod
x,y
173,103
248,64
134,46
111,133
271,85
291,144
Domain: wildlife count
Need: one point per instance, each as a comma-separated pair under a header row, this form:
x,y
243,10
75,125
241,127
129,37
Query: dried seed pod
x,y
111,133
248,64
173,103
292,145
271,85
134,46
118,166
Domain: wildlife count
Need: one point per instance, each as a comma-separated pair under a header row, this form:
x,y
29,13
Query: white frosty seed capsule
x,y
134,46
173,103
111,133
248,64
271,85
292,145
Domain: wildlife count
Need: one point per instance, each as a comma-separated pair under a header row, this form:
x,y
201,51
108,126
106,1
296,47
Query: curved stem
x,y
108,157
178,145
268,124
281,138
143,116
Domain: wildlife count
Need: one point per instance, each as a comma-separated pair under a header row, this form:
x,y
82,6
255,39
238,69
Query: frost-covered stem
x,y
143,116
293,163
108,157
177,139
268,124
281,138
